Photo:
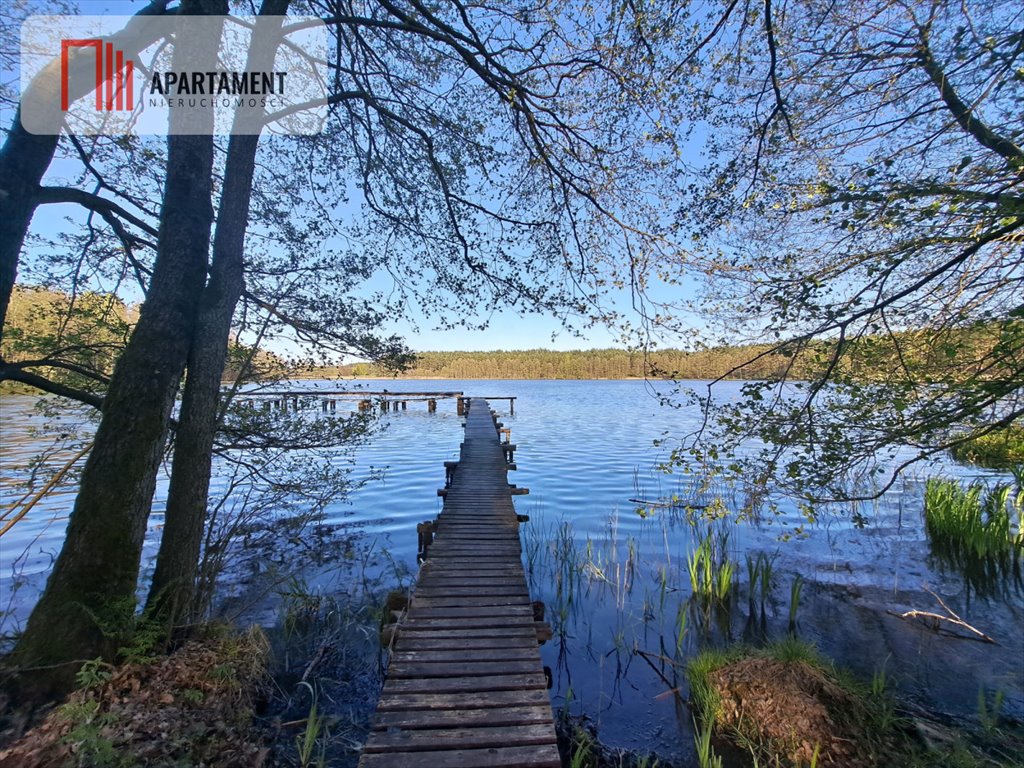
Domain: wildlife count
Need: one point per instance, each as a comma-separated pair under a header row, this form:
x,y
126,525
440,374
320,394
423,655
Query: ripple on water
x,y
585,449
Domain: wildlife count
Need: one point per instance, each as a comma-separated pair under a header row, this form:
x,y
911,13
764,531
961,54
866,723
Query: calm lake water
x,y
613,572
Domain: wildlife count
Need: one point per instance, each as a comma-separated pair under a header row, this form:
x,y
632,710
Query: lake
x,y
613,572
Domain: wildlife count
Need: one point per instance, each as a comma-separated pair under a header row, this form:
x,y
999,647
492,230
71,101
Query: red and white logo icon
x,y
114,87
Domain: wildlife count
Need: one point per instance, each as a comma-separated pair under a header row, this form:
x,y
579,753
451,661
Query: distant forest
x,y
581,364
89,332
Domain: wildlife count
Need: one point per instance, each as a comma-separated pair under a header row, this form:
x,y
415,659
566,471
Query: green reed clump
x,y
795,589
760,577
972,521
974,530
711,571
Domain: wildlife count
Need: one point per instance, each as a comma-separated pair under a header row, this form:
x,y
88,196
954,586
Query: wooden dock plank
x,y
466,718
424,670
427,739
453,700
534,756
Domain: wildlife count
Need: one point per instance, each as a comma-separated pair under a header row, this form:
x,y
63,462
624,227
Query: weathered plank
x,y
424,641
422,739
451,700
466,718
410,669
535,756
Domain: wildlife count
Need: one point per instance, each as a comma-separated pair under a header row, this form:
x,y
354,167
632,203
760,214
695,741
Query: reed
x,y
310,745
711,572
972,522
706,757
760,577
989,715
795,590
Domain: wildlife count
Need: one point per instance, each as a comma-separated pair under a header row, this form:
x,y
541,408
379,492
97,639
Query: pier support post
x,y
431,406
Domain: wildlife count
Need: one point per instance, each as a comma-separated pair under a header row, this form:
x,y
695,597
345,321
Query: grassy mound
x,y
194,707
786,705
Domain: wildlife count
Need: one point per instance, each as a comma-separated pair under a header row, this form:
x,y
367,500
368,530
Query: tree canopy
x,y
862,203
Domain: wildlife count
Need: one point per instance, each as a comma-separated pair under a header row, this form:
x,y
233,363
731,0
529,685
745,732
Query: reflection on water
x,y
614,573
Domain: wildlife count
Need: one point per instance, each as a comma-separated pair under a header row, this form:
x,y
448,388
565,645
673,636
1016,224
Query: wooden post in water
x,y
431,406
460,406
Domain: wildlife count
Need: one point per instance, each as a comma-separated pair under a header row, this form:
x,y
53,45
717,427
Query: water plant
x,y
309,744
795,589
882,705
974,530
706,757
973,520
681,626
1001,448
582,748
711,571
760,578
989,714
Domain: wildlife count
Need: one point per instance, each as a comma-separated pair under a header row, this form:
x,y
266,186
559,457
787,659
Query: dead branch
x,y
950,617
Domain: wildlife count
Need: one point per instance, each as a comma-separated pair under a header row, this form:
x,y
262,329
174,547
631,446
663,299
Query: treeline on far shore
x,y
583,364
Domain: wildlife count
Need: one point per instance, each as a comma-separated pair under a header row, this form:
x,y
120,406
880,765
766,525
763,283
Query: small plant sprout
x,y
309,744
706,757
794,600
989,715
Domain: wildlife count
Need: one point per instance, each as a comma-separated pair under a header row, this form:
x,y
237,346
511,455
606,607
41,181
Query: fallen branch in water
x,y
950,617
659,504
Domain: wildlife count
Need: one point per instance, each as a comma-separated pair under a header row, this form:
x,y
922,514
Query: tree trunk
x,y
89,597
172,596
23,161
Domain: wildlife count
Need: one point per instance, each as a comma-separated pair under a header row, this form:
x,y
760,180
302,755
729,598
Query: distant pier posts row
x,y
387,402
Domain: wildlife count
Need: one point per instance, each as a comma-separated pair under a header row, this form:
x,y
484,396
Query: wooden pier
x,y
465,687
385,400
